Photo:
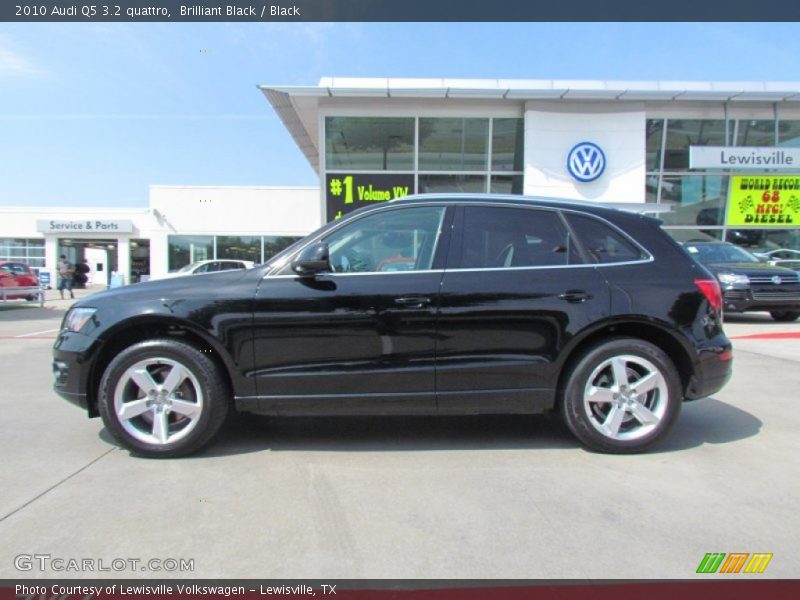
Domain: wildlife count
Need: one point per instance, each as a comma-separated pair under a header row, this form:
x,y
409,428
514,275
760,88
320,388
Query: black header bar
x,y
126,11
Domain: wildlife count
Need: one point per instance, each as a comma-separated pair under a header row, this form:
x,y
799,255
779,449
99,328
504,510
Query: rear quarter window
x,y
603,243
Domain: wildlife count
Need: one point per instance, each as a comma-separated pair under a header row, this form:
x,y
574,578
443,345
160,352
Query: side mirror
x,y
312,260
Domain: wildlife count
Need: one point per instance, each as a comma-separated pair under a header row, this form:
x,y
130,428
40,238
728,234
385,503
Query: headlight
x,y
733,280
78,317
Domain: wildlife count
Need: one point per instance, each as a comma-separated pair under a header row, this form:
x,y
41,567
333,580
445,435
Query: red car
x,y
17,275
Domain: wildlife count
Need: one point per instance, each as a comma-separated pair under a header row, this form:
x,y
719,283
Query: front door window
x,y
393,240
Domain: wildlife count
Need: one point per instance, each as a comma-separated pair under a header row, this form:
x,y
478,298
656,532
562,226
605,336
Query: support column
x,y
124,259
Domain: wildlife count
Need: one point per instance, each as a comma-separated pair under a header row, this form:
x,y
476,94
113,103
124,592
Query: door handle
x,y
412,301
575,296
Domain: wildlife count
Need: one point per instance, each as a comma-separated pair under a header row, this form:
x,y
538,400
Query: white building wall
x,y
229,210
551,130
21,222
236,210
177,210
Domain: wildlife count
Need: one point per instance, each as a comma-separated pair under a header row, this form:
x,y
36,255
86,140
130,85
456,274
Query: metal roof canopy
x,y
290,102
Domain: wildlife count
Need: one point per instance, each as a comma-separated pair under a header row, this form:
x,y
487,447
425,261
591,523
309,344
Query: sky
x,y
92,114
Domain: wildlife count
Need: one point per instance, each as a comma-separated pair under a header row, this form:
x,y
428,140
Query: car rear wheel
x,y
163,398
785,316
621,396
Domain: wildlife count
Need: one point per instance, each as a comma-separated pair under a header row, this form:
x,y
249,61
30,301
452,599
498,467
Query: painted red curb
x,y
785,335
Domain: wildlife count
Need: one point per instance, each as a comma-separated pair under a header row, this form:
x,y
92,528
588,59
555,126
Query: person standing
x,y
65,273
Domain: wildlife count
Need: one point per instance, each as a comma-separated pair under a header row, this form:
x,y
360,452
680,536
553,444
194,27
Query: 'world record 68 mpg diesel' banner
x,y
764,201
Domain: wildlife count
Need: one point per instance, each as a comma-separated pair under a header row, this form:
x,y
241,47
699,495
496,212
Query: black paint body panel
x,y
478,341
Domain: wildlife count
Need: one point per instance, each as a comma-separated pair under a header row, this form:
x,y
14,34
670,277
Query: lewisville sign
x,y
744,157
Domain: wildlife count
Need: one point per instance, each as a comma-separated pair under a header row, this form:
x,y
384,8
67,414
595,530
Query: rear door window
x,y
496,237
603,243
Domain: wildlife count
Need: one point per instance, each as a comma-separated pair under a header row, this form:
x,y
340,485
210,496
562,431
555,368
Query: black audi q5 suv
x,y
429,305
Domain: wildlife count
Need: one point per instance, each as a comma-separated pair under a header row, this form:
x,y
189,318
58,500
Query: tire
x,y
785,316
163,398
618,420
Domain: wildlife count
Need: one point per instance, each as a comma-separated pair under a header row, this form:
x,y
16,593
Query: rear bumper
x,y
712,371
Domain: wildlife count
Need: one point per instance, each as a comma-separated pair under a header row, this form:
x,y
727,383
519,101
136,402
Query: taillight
x,y
710,289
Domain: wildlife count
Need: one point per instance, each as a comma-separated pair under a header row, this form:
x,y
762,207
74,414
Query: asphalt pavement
x,y
448,497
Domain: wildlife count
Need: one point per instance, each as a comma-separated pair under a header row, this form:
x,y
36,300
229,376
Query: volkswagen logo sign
x,y
777,280
586,161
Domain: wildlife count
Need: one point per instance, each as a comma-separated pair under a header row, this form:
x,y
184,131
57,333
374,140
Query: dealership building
x,y
714,160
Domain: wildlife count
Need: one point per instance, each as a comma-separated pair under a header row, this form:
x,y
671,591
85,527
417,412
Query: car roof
x,y
592,206
711,243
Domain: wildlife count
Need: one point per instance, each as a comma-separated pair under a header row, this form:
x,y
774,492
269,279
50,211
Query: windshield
x,y
720,253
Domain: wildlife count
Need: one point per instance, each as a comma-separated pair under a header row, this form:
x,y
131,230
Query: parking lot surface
x,y
455,497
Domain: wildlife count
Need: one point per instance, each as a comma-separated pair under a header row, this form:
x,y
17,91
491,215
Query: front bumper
x,y
73,355
738,300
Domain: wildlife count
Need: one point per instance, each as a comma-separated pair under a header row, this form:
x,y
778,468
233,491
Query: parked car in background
x,y
433,304
17,275
749,284
781,257
208,266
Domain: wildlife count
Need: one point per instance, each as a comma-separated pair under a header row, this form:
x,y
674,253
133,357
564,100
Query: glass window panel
x,y
507,142
395,240
755,133
273,244
369,143
453,144
654,136
603,243
239,247
682,133
651,188
789,133
502,237
451,183
694,235
185,249
694,199
772,241
506,184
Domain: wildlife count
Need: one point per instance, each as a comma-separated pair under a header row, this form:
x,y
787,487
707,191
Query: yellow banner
x,y
764,201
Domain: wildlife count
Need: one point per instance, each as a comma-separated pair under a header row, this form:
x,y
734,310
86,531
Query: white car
x,y
782,257
208,266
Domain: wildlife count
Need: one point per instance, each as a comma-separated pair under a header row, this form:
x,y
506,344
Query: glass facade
x,y
453,144
444,154
26,250
369,143
697,198
486,154
186,249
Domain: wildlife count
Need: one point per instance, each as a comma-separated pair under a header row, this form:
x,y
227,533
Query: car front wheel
x,y
621,396
785,316
163,398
